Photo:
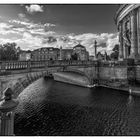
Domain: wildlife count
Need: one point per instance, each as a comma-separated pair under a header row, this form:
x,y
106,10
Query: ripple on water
x,y
54,108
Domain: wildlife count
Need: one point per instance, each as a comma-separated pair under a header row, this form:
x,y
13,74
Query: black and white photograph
x,y
69,69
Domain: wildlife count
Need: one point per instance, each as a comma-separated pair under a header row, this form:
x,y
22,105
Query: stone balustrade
x,y
18,65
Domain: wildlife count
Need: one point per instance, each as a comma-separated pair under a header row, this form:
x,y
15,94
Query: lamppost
x,y
7,107
95,49
61,53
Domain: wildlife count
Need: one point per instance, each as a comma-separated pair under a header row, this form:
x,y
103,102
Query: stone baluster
x,y
7,106
134,41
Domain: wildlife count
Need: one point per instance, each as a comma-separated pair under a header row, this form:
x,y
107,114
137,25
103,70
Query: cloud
x,y
33,28
34,8
105,41
49,25
6,28
30,35
23,17
5,25
30,41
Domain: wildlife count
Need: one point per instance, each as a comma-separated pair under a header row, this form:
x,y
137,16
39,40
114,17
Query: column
x,y
124,50
134,41
61,53
138,30
1,89
123,41
95,49
121,56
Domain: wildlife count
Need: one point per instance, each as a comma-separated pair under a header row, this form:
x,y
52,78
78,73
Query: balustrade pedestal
x,y
7,106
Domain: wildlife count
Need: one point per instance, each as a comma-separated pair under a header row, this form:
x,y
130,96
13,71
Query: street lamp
x,y
95,49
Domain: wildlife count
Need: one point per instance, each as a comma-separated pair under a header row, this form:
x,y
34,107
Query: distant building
x,y
82,53
100,56
49,53
24,55
65,54
91,57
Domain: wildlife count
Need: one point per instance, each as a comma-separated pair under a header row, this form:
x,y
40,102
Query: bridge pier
x,y
7,106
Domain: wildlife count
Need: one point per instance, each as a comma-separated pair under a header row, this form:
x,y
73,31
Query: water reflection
x,y
54,108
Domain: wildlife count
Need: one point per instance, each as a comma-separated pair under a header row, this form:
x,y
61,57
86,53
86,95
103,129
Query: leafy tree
x,y
8,51
114,55
116,48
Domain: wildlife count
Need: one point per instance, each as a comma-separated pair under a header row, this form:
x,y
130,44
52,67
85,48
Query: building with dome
x,y
127,19
81,52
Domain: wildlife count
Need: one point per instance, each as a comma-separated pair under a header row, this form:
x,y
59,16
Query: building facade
x,y
65,54
127,20
51,53
48,53
91,57
24,55
82,53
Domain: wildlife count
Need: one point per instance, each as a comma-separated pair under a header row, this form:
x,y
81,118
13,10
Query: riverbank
x,y
74,79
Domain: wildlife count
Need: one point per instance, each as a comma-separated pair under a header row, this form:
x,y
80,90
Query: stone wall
x,y
138,73
119,74
113,76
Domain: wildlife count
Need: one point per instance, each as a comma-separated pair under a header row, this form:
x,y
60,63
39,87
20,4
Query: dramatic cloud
x,y
34,8
33,28
6,28
30,41
30,35
105,41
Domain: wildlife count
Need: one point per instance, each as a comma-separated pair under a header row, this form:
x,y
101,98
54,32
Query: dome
x,y
79,46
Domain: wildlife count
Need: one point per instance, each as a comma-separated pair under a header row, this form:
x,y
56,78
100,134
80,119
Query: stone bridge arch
x,y
80,72
76,70
21,83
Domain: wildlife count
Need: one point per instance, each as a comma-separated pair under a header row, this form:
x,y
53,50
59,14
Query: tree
x,y
116,48
8,51
115,54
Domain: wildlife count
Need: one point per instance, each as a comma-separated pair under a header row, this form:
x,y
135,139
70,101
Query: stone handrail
x,y
22,65
18,65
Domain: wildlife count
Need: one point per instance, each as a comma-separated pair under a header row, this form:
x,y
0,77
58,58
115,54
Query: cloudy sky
x,y
34,26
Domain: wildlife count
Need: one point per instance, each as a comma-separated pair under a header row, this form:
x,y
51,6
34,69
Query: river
x,y
50,108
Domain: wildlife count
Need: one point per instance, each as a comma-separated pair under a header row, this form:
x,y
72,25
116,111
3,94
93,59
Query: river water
x,y
50,108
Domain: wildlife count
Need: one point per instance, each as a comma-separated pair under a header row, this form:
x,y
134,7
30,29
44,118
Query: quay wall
x,y
137,70
72,78
112,74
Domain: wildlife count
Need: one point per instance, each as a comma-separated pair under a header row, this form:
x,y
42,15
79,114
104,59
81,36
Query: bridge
x,y
15,76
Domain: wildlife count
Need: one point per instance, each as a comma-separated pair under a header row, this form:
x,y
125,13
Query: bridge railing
x,y
21,65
